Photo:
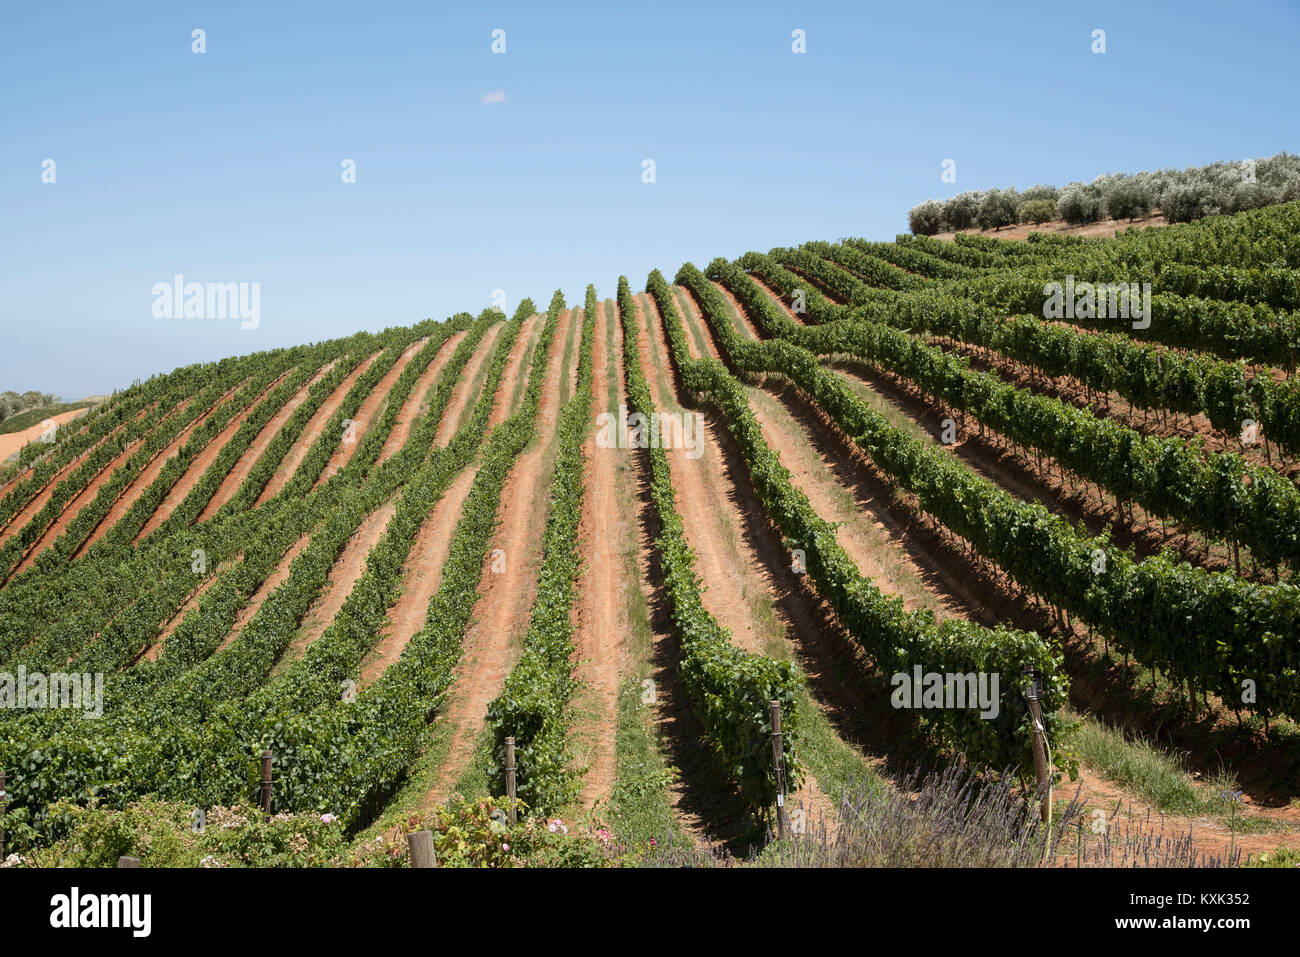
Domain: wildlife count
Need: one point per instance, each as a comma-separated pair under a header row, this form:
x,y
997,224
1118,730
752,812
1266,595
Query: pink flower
x,y
505,847
328,819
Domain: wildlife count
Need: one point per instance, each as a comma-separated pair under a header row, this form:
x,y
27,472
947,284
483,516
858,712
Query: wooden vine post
x,y
1032,695
266,782
778,764
510,776
421,845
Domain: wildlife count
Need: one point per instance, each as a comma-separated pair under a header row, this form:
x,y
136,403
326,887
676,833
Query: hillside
x,y
1059,227
615,530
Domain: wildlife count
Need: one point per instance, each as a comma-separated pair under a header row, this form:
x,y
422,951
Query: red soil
x,y
348,567
462,394
12,442
501,403
506,598
311,432
248,460
368,412
600,616
270,584
421,575
416,403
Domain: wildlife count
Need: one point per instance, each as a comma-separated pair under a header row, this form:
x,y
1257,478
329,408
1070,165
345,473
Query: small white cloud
x,y
496,96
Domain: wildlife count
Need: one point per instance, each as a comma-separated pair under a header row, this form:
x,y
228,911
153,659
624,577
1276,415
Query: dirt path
x,y
422,570
463,394
151,472
711,513
1212,836
505,601
416,403
347,568
1099,230
367,413
37,502
502,402
269,584
12,442
153,649
600,615
421,575
246,462
700,343
85,497
776,298
749,585
311,432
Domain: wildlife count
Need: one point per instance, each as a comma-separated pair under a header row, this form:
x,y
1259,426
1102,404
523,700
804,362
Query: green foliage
x,y
533,704
161,834
1037,211
1080,204
927,218
960,211
998,208
897,639
730,689
1211,629
1128,199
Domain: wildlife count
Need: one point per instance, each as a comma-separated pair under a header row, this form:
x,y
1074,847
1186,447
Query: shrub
x,y
1049,193
1189,201
960,211
476,834
998,208
926,219
1037,211
1222,187
1128,199
1246,196
1079,204
165,834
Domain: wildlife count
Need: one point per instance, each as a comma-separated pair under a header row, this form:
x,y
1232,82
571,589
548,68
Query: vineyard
x,y
729,570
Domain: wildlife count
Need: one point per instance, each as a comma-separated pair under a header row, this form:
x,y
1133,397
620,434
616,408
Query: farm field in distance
x,y
770,560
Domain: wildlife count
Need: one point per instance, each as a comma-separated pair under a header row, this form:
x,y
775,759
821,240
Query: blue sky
x,y
226,166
